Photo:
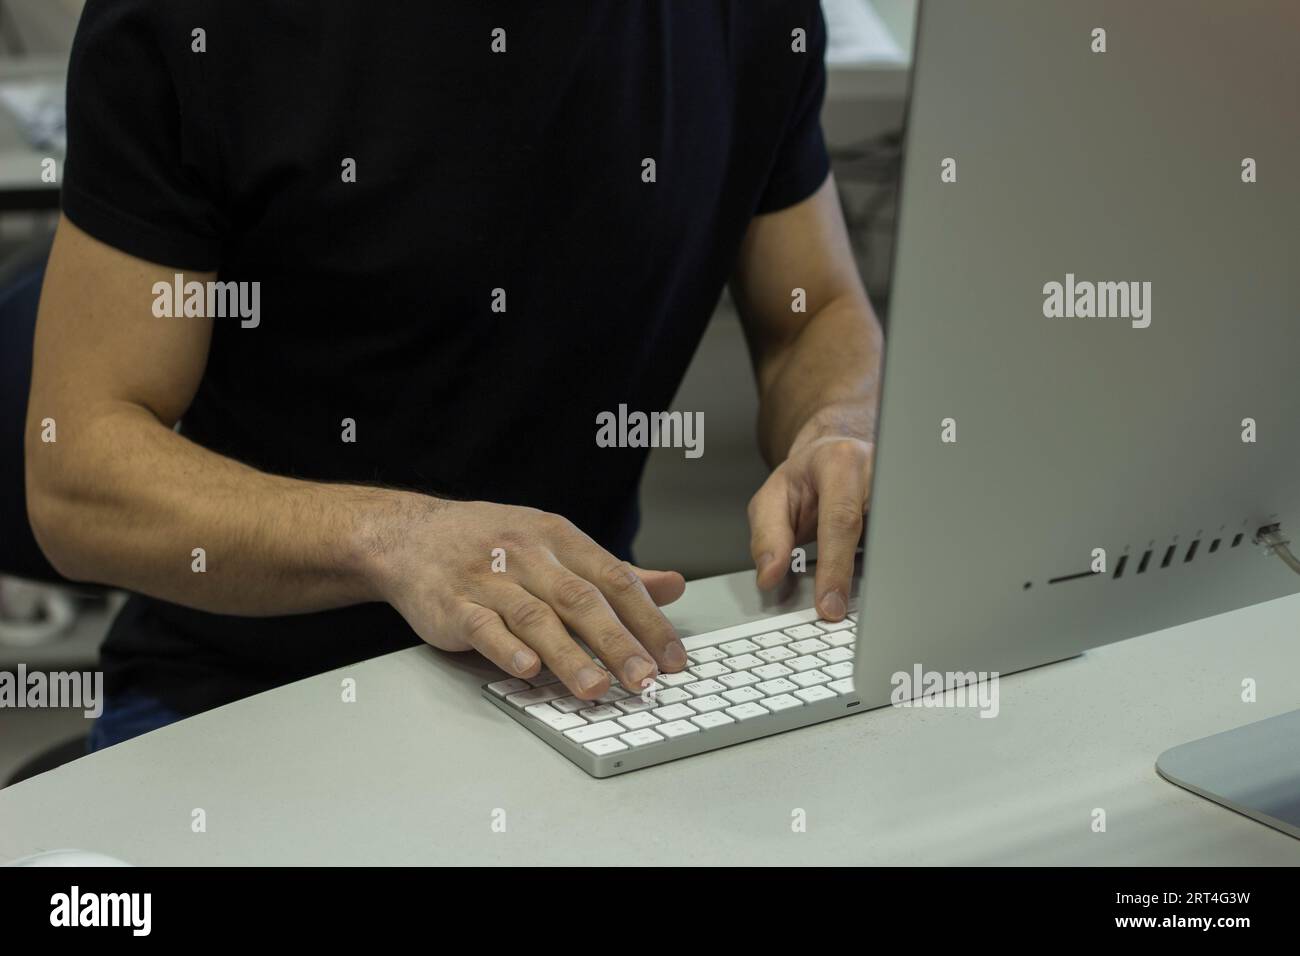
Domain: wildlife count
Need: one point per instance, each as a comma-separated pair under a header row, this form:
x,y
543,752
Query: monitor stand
x,y
1254,770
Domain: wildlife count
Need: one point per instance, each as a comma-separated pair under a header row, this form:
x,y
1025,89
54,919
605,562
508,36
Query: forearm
x,y
124,500
825,381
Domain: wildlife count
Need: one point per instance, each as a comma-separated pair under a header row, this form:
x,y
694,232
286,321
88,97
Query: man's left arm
x,y
816,348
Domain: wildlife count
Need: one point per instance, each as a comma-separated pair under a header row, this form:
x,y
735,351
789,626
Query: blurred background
x,y
693,511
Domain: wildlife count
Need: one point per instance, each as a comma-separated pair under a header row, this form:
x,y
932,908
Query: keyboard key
x,y
675,680
678,728
769,671
828,626
801,631
673,695
634,705
854,617
538,695
809,678
777,685
700,688
747,711
811,646
840,639
602,712
614,693
711,669
712,719
504,688
738,679
553,718
570,705
639,738
605,728
743,662
842,686
781,702
844,669
637,721
705,704
608,745
774,654
674,712
741,646
774,639
741,695
542,679
814,694
705,655
806,663
836,654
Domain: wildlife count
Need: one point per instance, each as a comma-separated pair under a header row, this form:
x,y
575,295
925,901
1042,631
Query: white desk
x,y
412,772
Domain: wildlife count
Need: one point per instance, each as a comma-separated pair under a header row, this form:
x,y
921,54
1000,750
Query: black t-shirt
x,y
476,170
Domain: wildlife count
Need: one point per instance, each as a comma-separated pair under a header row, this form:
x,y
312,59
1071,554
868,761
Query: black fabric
x,y
476,171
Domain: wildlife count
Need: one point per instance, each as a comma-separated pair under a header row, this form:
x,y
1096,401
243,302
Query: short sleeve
x,y
139,170
802,162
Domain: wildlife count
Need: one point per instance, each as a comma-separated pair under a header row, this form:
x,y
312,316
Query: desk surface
x,y
413,771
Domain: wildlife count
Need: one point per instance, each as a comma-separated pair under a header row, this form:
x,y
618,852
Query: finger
x,y
631,600
533,622
582,606
664,587
771,532
841,501
482,629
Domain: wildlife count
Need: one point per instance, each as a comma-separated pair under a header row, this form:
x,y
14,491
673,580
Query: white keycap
x,y
854,618
781,702
553,718
712,719
741,695
743,661
674,712
675,680
811,646
809,678
742,646
705,654
711,669
605,728
700,688
538,695
774,639
678,728
840,639
747,711
673,695
637,721
611,695
801,631
814,694
836,654
844,625
774,654
738,679
769,671
844,669
504,688
608,745
842,686
778,685
570,705
633,705
806,663
603,712
542,679
639,738
705,704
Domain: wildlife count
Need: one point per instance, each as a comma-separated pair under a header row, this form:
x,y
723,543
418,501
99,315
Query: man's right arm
x,y
120,498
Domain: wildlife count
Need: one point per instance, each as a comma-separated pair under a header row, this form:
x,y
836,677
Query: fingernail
x,y
523,660
675,654
589,678
833,606
637,669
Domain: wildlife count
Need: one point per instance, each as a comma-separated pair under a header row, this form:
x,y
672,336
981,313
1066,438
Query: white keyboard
x,y
742,682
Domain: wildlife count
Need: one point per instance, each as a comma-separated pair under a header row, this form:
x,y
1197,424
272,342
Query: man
x,y
452,236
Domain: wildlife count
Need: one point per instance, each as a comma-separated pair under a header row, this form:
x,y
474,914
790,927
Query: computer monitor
x,y
1090,403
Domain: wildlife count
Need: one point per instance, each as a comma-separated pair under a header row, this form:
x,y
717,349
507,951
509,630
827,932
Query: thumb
x,y
664,587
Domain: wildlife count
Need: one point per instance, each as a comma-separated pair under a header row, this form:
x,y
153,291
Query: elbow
x,y
52,516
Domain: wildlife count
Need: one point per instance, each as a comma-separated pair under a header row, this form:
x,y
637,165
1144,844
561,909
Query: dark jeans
x,y
127,716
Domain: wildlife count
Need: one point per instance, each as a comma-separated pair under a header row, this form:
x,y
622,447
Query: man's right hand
x,y
437,570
